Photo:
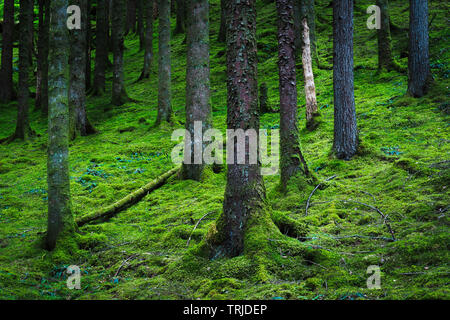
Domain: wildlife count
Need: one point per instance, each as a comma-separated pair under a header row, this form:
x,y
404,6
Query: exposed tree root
x,y
129,200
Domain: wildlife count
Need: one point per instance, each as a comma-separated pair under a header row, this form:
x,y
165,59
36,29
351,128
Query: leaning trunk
x,y
345,131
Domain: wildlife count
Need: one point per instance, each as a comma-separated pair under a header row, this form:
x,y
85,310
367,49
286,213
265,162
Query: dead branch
x,y
309,198
196,225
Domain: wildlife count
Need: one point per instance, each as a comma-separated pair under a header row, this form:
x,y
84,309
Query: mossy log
x,y
129,200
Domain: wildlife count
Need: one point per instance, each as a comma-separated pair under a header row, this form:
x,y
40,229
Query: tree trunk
x,y
310,88
23,129
345,130
148,43
42,61
101,54
131,16
385,60
264,99
419,73
304,9
88,45
60,219
223,23
140,22
245,192
6,73
198,106
119,95
164,72
291,155
79,122
181,16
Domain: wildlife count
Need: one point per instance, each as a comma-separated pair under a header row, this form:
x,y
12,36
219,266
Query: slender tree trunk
x,y
42,61
345,129
264,99
131,16
181,17
198,106
88,45
23,129
140,22
310,87
419,73
385,59
79,122
119,95
304,9
245,192
60,219
101,54
164,72
223,23
148,43
6,72
291,155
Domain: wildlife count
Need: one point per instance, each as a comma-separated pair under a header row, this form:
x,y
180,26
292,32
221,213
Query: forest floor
x,y
402,169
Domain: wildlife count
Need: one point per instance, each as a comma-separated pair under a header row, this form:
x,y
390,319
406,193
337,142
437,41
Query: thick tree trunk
x,y
42,61
60,219
291,155
310,87
419,73
245,192
164,72
6,72
79,122
101,54
385,59
23,129
181,16
148,43
345,130
223,23
119,95
198,106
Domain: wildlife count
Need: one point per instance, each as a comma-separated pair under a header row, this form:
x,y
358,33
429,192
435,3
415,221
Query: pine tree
x,y
148,42
6,72
101,54
42,61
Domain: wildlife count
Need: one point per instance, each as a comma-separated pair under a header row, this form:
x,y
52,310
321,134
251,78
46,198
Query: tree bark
x,y
419,73
119,94
88,63
245,192
6,72
198,106
291,155
79,122
385,59
140,22
310,88
345,129
101,54
164,72
223,23
42,61
23,129
148,42
181,16
60,219
131,16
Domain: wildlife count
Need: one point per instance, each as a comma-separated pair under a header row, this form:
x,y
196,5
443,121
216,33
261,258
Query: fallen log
x,y
129,200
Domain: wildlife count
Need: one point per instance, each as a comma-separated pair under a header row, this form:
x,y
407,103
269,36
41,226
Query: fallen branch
x,y
196,225
123,263
317,187
129,200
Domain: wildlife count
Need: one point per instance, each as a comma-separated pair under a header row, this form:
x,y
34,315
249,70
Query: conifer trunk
x,y
385,60
42,61
6,72
101,54
148,42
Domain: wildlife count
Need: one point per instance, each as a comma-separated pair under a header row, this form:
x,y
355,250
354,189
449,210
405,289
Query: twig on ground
x,y
123,263
309,198
196,225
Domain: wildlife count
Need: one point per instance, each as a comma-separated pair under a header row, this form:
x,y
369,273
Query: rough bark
x,y
148,42
419,73
181,16
345,129
304,9
42,61
291,155
198,106
119,95
60,219
6,72
79,122
310,88
245,192
23,129
101,54
164,72
223,23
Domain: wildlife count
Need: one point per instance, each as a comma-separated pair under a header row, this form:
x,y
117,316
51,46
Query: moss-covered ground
x,y
402,169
